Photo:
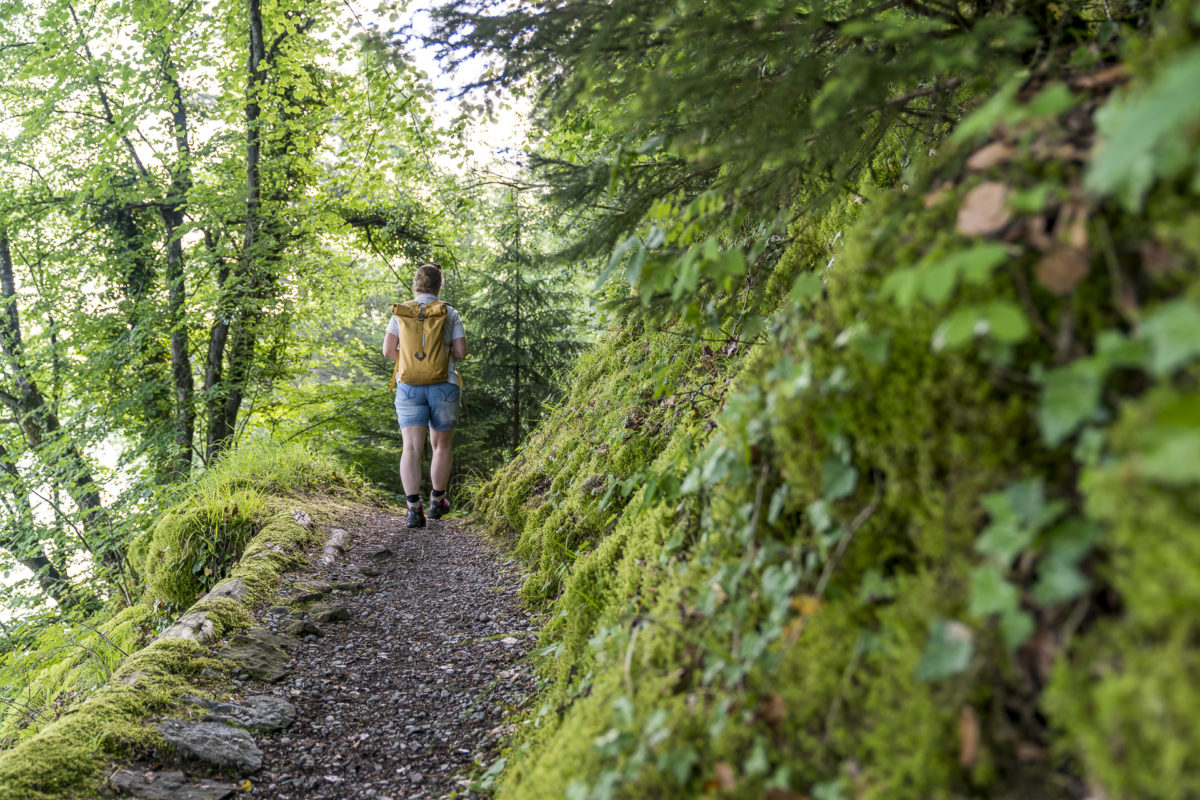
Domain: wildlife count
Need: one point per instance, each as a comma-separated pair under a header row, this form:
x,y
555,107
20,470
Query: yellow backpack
x,y
421,355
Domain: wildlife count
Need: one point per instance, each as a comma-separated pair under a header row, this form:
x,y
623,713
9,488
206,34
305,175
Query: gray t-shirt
x,y
454,330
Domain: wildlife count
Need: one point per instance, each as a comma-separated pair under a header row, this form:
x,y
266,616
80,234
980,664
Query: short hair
x,y
428,279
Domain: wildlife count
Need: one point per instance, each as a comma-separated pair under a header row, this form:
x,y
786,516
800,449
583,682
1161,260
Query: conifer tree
x,y
526,333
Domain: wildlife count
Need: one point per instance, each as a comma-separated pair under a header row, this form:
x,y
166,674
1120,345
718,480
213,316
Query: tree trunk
x,y
27,550
184,412
241,330
37,421
516,420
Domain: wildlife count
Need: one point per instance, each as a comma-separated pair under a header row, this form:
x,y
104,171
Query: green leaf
x,y
902,286
807,286
838,479
1173,459
1134,127
956,330
998,108
1173,333
1016,626
1072,539
948,651
937,281
1003,540
1058,581
1006,322
1032,200
990,592
1070,397
614,260
819,516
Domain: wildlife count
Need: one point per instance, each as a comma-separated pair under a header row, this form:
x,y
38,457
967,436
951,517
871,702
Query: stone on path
x,y
168,785
233,589
311,591
260,712
338,543
267,637
214,743
379,553
258,658
195,626
328,612
300,628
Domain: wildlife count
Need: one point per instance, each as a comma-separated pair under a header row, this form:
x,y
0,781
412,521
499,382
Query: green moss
x,y
194,545
68,758
1128,697
76,700
676,617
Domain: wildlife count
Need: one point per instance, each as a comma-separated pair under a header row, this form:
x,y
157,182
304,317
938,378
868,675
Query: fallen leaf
x,y
938,194
1028,751
245,786
1044,648
773,710
723,775
984,210
968,736
1075,219
1037,234
990,155
806,605
1062,269
1156,259
1105,77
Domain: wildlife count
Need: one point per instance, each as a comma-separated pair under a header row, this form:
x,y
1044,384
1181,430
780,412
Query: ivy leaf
x,y
1016,626
956,330
819,516
838,479
1070,397
1006,322
948,651
1004,539
1134,128
1173,333
1058,581
990,592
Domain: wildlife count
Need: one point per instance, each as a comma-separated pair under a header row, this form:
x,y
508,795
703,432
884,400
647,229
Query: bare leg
x,y
439,470
410,457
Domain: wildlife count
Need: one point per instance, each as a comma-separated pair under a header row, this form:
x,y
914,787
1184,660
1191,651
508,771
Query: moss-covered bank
x,y
83,694
942,539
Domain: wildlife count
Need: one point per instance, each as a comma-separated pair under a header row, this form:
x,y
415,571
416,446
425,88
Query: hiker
x,y
427,387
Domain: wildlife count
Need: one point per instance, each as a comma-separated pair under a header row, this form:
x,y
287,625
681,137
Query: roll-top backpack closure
x,y
421,354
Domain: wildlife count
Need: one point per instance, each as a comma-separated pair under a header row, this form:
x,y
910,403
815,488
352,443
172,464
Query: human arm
x,y
458,348
391,339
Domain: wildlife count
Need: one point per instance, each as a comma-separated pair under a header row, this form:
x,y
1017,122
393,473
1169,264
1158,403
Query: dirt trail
x,y
405,696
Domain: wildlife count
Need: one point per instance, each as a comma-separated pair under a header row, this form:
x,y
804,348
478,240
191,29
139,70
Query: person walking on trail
x,y
426,339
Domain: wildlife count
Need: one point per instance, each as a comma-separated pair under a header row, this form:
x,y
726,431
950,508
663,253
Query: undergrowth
x,y
83,690
933,535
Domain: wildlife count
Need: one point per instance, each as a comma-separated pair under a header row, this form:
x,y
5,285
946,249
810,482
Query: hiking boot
x,y
416,517
439,506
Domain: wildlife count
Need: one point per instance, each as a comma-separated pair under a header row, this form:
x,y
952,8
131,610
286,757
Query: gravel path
x,y
406,698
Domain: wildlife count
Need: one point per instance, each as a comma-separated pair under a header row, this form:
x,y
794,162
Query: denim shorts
x,y
433,406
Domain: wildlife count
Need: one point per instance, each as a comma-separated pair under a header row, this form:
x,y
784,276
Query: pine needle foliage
x,y
692,120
